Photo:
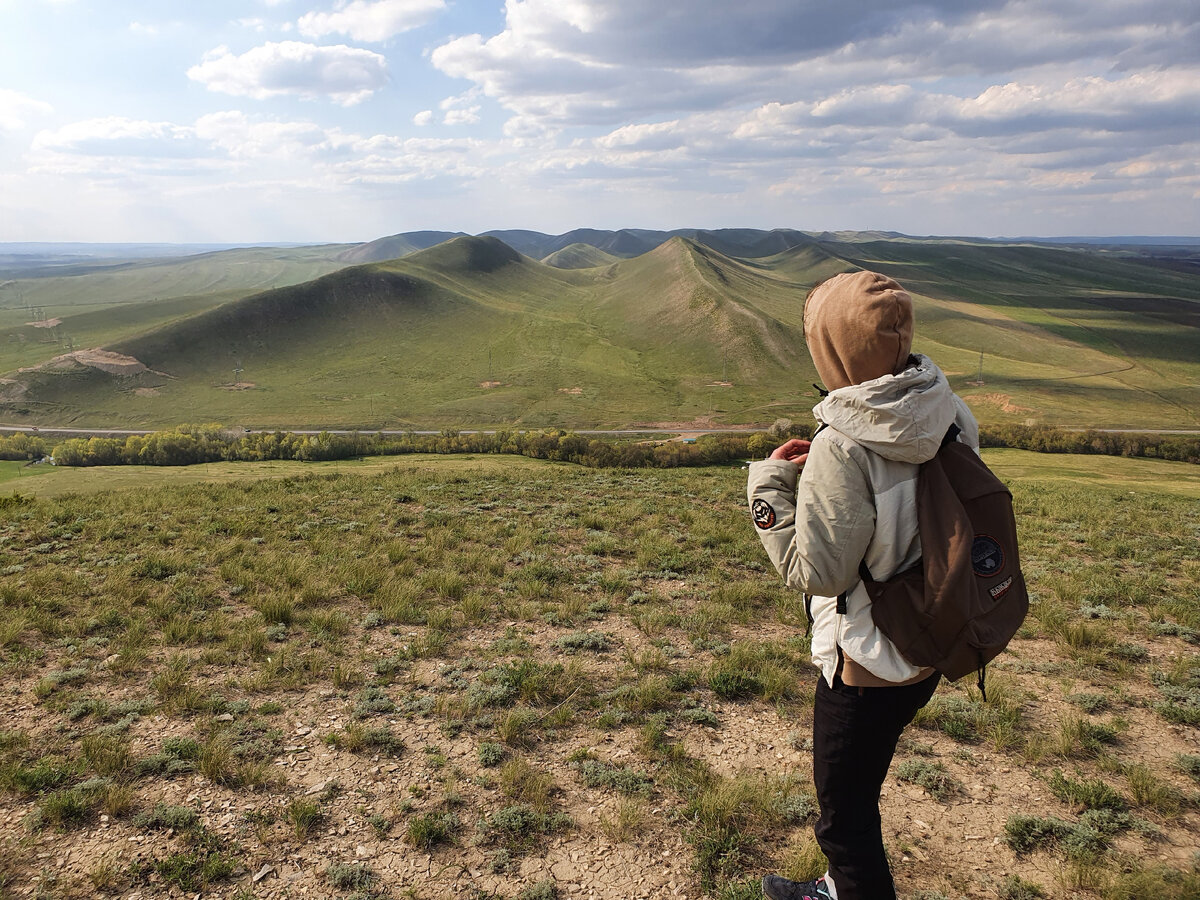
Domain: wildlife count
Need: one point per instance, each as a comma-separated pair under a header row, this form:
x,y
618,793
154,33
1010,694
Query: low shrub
x,y
932,776
430,829
165,816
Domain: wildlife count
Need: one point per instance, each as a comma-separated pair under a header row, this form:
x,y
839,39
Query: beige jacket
x,y
855,501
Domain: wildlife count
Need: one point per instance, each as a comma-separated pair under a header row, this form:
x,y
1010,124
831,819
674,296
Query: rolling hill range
x,y
57,308
698,327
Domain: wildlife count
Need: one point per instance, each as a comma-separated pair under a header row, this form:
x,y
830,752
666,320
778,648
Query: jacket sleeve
x,y
816,526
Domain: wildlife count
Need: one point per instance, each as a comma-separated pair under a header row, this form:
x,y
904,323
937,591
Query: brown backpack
x,y
960,605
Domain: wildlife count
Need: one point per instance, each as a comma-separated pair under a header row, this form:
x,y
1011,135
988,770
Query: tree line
x,y
1045,439
190,444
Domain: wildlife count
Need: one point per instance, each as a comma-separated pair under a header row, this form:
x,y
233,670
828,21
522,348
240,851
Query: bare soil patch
x,y
102,360
1004,401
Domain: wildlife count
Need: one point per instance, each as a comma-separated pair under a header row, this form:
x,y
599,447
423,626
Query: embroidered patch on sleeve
x,y
764,515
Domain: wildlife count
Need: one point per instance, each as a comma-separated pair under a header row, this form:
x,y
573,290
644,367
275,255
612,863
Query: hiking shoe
x,y
777,888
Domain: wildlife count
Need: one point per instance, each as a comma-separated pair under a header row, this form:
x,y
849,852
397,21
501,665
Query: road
x,y
118,432
66,431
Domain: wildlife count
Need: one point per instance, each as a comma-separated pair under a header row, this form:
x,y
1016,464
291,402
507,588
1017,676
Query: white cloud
x,y
371,20
122,149
467,116
1137,104
346,75
296,153
119,148
131,136
919,115
903,100
594,62
16,109
461,110
245,138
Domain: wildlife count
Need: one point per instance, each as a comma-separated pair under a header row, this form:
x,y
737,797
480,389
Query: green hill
x,y
1067,336
108,303
579,256
395,246
470,332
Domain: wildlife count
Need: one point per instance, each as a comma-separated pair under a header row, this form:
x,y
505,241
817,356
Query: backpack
x,y
959,606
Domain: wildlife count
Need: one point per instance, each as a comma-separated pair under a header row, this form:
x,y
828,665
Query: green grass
x,y
18,473
455,607
303,815
596,773
731,818
1093,793
1108,473
101,307
430,829
351,877
59,481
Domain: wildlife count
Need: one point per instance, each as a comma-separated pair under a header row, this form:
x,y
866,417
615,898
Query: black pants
x,y
855,731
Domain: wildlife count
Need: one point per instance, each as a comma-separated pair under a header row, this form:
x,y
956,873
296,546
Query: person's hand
x,y
794,451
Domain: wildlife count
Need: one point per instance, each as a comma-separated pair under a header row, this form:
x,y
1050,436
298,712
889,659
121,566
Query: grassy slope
x,y
102,307
1014,466
470,333
415,340
381,628
1069,337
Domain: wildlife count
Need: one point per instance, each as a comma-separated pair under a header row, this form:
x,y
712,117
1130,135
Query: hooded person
x,y
823,509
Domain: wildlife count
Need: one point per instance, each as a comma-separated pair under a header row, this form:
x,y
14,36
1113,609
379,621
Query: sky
x,y
347,120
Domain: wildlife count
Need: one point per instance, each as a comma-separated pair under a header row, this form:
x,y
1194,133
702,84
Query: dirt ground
x,y
955,847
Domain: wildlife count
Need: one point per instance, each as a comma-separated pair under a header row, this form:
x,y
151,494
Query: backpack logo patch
x,y
764,514
999,590
987,557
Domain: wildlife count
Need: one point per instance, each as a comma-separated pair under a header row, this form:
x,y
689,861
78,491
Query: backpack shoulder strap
x,y
952,434
865,574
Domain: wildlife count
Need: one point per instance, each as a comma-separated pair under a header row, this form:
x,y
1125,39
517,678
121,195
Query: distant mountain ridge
x,y
624,243
742,243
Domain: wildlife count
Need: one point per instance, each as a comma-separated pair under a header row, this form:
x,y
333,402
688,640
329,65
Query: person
x,y
824,508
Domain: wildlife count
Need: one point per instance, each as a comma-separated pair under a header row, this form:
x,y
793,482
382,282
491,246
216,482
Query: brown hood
x,y
858,327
